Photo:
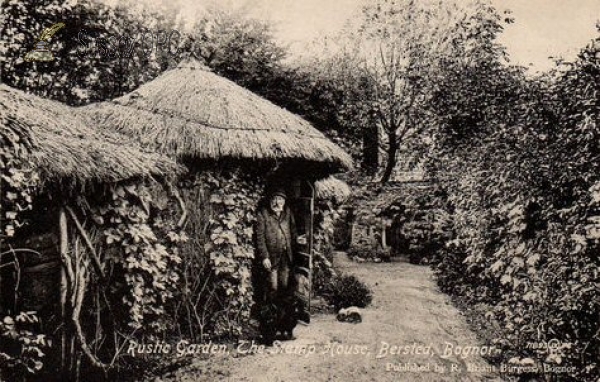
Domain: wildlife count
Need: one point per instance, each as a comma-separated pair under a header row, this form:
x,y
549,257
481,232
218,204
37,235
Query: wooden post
x,y
63,248
383,235
311,244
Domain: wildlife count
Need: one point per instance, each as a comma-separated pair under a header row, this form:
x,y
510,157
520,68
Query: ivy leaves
x,y
527,210
18,183
31,346
230,248
145,252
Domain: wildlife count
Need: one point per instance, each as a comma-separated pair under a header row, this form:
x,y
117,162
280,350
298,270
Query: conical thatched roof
x,y
332,188
190,112
63,149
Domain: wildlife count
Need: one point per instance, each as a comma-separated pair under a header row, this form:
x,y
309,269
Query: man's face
x,y
277,203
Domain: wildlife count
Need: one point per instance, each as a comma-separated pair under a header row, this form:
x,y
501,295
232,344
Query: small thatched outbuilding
x,y
206,121
63,149
50,160
332,188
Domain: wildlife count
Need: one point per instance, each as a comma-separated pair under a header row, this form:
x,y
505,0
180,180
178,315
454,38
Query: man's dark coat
x,y
275,236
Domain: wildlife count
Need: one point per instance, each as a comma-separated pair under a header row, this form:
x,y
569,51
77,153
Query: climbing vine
x,y
142,253
233,199
21,348
18,181
24,348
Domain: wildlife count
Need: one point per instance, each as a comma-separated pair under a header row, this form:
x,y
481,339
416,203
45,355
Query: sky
x,y
542,28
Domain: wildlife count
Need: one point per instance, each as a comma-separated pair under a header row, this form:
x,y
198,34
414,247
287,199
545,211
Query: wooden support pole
x,y
63,248
95,258
311,236
383,235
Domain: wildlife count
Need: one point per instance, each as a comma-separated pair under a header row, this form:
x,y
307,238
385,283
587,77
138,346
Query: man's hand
x,y
302,240
267,264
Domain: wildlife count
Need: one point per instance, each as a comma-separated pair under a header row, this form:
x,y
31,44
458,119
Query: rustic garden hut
x,y
330,195
193,114
332,188
209,123
50,160
66,151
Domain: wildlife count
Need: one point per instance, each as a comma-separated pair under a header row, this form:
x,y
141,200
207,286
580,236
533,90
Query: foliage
x,y
324,220
238,47
101,53
21,349
142,255
216,297
323,94
347,290
525,194
230,248
17,181
323,273
421,224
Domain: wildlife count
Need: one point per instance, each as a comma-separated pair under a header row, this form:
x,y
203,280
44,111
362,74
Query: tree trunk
x,y
391,158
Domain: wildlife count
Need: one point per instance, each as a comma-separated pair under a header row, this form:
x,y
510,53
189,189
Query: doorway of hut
x,y
300,193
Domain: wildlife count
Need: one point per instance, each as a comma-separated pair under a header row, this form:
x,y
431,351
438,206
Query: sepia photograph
x,y
299,190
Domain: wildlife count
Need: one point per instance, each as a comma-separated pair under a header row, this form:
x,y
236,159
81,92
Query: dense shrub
x,y
347,290
323,273
325,218
342,230
526,200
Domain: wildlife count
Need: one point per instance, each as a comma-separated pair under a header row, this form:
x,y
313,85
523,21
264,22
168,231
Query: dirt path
x,y
408,313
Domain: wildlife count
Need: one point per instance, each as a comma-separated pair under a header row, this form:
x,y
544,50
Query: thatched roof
x,y
64,149
332,188
190,112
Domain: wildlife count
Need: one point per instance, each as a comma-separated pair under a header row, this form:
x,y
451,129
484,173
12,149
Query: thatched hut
x,y
64,150
332,188
193,114
213,125
50,161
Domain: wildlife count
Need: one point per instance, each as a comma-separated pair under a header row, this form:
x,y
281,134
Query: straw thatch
x,y
64,149
332,188
190,112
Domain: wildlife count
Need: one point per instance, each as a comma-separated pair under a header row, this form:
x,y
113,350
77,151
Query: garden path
x,y
408,312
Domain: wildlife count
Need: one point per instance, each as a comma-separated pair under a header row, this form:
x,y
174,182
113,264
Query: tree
x,y
406,46
522,171
330,89
237,47
101,53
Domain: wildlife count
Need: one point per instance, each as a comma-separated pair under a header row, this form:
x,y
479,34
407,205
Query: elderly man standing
x,y
276,238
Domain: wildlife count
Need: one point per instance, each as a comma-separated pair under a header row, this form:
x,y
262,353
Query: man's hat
x,y
279,192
